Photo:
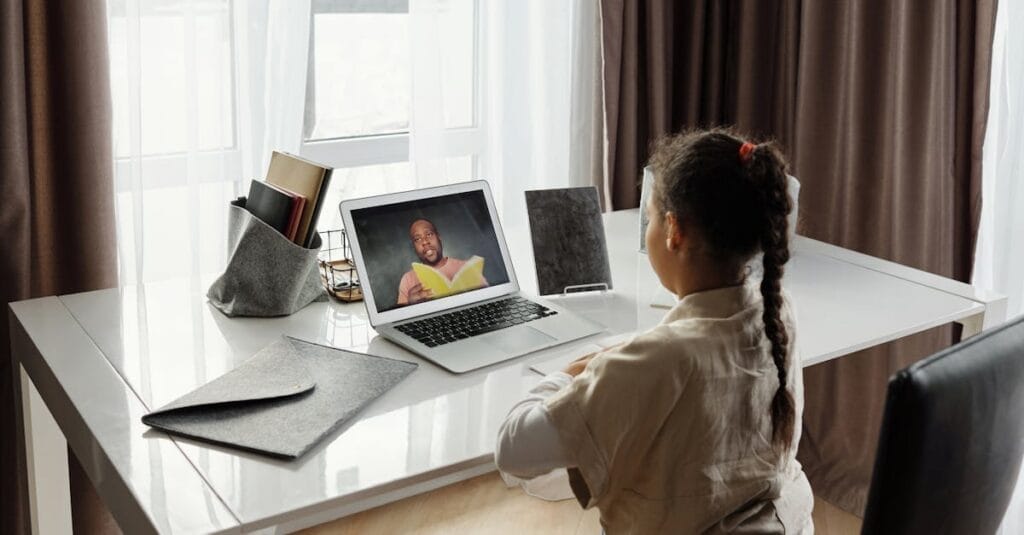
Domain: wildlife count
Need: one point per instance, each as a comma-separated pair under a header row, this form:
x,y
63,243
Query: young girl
x,y
690,427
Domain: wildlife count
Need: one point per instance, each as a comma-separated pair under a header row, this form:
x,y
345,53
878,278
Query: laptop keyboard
x,y
466,322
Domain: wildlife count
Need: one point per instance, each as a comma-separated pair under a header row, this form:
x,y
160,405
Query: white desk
x,y
100,360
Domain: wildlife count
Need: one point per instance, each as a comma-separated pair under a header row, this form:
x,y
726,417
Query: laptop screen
x,y
428,249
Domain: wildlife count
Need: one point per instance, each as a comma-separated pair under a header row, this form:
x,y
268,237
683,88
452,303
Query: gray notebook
x,y
569,249
283,400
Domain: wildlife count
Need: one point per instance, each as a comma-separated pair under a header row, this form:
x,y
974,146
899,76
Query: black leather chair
x,y
951,439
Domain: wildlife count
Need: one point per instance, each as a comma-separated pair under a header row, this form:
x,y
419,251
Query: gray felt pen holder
x,y
266,273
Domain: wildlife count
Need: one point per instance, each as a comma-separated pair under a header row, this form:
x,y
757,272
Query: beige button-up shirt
x,y
671,432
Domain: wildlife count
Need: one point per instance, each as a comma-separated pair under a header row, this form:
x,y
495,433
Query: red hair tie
x,y
745,150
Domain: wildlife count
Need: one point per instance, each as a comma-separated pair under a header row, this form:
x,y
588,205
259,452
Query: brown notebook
x,y
305,178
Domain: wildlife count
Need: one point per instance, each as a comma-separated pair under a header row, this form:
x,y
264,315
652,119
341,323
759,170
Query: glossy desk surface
x,y
115,354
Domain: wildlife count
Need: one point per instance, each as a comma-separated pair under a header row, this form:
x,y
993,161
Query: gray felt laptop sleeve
x,y
283,400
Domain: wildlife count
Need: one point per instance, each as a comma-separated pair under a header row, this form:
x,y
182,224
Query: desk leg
x,y
46,458
994,314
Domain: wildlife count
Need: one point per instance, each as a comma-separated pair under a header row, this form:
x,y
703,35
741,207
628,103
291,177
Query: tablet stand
x,y
577,288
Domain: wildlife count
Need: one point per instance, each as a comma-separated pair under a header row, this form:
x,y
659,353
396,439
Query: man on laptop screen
x,y
436,275
421,251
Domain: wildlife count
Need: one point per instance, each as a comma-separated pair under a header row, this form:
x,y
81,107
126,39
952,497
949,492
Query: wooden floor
x,y
829,519
484,505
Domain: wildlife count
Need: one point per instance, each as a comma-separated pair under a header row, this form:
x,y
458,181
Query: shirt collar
x,y
717,303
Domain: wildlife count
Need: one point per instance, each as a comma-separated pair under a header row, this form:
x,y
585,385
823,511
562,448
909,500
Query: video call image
x,y
427,249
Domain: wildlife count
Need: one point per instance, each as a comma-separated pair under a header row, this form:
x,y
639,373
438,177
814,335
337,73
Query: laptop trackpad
x,y
517,340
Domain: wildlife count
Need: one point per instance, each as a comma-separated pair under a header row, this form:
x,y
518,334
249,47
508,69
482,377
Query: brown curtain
x,y
673,64
881,106
896,123
56,193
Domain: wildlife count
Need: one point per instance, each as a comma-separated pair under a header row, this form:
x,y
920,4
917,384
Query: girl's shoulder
x,y
649,362
666,346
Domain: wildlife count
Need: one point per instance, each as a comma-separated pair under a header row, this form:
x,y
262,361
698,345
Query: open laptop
x,y
437,279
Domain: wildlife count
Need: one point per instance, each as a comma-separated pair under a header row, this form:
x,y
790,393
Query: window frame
x,y
393,147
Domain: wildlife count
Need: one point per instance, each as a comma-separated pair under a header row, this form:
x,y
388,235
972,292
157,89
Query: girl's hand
x,y
577,366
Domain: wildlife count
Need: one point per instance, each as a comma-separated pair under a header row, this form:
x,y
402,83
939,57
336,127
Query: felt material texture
x,y
266,274
283,400
569,246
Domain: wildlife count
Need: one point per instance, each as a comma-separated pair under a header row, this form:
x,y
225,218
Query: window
x,y
176,157
359,93
183,100
174,62
360,70
202,91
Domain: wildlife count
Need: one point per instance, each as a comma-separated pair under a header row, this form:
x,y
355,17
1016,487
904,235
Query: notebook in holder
x,y
298,207
275,206
306,178
283,400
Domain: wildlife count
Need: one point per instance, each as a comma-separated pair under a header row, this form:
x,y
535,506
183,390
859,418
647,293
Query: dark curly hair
x,y
737,206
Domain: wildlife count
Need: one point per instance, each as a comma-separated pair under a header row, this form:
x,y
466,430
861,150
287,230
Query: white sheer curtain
x,y
537,82
999,259
203,90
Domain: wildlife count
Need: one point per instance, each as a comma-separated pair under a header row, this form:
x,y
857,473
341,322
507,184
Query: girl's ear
x,y
673,232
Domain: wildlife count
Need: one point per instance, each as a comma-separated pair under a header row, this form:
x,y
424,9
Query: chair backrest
x,y
951,439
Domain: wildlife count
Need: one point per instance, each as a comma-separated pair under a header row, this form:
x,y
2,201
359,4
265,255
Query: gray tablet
x,y
569,248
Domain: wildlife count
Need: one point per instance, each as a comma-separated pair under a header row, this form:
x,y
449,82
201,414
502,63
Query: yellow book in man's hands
x,y
469,277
